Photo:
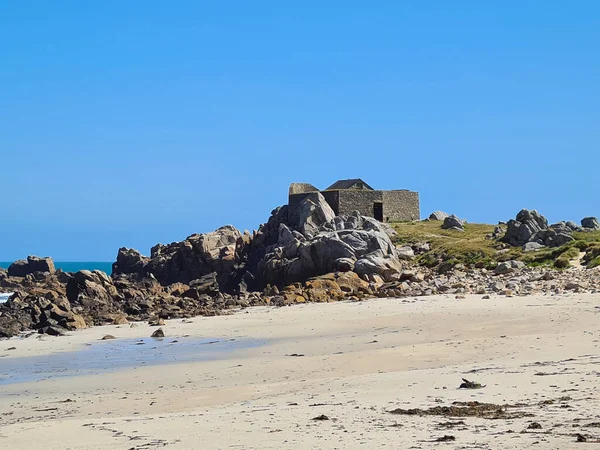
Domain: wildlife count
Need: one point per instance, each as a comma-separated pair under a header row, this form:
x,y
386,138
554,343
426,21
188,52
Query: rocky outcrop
x,y
350,242
223,251
531,226
129,261
314,213
31,265
590,223
525,227
49,314
508,266
94,291
453,223
438,215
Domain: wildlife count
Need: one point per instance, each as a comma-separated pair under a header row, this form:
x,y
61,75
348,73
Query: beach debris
x,y
11,348
451,424
321,417
581,437
133,325
156,322
297,355
534,426
107,337
158,333
446,438
466,409
470,385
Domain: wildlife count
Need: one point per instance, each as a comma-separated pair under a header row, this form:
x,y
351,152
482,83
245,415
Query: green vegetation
x,y
563,260
475,248
592,257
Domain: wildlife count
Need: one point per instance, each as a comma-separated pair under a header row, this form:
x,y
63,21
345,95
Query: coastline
x,y
358,360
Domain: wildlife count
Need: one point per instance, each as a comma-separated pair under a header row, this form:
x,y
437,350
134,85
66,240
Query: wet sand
x,y
351,362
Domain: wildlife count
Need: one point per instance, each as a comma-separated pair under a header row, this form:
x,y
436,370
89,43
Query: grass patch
x,y
592,257
473,248
468,247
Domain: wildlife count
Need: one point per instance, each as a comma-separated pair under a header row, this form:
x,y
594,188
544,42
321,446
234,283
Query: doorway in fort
x,y
378,211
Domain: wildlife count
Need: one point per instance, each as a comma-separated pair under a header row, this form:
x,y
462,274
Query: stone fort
x,y
345,196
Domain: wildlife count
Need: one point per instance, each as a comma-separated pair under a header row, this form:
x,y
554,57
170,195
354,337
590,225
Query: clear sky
x,y
128,123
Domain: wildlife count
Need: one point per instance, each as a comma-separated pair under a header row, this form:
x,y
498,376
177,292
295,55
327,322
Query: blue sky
x,y
127,123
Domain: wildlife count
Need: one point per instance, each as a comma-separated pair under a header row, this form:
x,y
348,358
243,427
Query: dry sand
x,y
355,362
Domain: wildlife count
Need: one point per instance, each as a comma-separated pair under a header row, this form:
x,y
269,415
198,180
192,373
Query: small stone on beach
x,y
158,333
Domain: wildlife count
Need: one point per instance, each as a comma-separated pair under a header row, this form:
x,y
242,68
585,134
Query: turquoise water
x,y
74,266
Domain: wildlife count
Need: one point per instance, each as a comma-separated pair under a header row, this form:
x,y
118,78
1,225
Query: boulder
x,y
532,246
343,265
158,333
205,285
405,253
572,226
438,215
53,315
508,267
591,223
351,283
322,289
453,223
314,212
377,263
129,261
32,265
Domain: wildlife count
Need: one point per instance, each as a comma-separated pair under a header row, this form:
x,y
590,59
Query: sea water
x,y
103,357
74,266
5,296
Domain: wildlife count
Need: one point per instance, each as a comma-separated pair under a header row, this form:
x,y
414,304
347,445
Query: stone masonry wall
x,y
399,206
294,207
333,198
359,200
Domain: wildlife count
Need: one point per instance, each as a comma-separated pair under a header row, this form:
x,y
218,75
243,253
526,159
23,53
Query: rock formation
x,y
319,246
453,223
591,223
320,257
222,252
130,261
314,213
438,215
32,265
531,226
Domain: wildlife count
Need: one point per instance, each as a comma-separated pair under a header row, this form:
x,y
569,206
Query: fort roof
x,y
353,183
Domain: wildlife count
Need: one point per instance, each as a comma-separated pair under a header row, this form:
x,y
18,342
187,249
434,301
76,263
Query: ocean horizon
x,y
74,266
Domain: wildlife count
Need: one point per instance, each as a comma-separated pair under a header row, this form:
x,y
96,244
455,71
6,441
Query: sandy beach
x,y
348,363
